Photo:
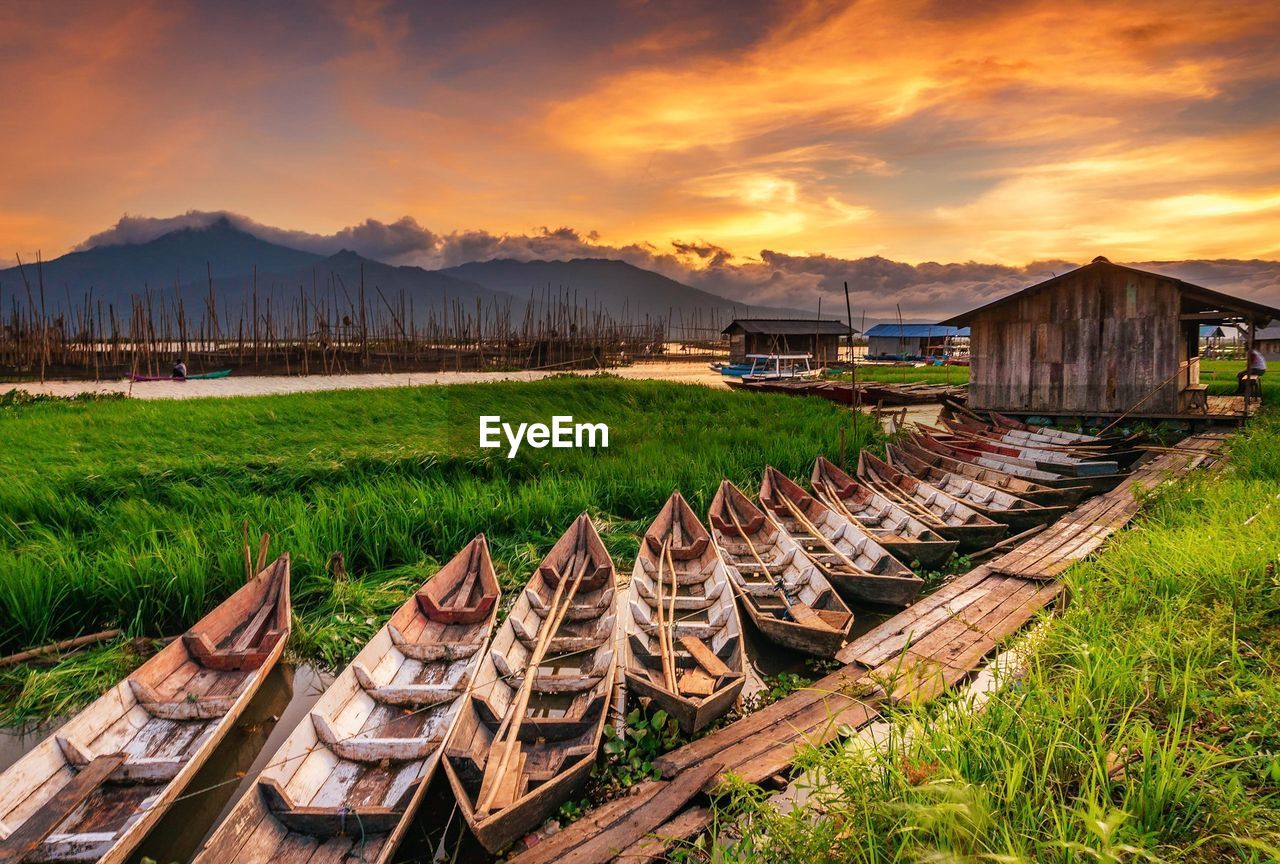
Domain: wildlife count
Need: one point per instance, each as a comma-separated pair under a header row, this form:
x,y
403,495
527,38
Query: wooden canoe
x,y
788,599
1050,460
999,458
706,644
849,556
350,775
900,531
93,789
561,728
958,520
1060,435
1011,483
1121,451
997,504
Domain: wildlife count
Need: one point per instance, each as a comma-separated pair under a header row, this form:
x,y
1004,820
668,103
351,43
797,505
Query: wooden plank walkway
x,y
917,654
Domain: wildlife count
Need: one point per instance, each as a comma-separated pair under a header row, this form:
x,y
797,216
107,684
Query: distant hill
x,y
619,288
181,257
183,260
177,265
384,284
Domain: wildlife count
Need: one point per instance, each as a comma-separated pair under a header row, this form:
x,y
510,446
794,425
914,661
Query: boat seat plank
x,y
326,821
191,707
32,832
360,748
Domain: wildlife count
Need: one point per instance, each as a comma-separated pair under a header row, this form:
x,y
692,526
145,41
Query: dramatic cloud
x,y
396,241
879,288
825,132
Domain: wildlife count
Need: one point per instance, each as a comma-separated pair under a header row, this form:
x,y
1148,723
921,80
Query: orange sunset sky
x,y
947,131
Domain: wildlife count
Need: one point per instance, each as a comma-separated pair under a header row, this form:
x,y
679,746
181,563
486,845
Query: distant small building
x,y
1267,340
912,341
819,337
1211,339
1100,340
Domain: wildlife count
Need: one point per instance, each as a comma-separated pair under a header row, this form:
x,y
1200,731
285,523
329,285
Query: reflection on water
x,y
285,698
15,742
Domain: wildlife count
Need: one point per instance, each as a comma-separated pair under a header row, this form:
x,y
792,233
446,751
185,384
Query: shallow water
x,y
283,700
15,742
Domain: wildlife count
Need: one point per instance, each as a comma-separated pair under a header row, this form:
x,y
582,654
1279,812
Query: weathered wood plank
x,y
763,756
779,712
31,833
598,841
913,613
654,846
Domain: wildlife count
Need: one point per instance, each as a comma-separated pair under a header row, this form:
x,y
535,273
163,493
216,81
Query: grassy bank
x,y
1145,728
1220,375
128,513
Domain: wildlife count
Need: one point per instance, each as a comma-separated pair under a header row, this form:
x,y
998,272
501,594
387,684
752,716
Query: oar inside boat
x,y
685,603
783,592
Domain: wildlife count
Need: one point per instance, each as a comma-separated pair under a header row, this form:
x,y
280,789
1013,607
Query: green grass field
x,y
1145,728
1220,375
128,513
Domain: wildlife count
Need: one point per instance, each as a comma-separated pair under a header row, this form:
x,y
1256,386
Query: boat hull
x,y
819,642
930,553
693,716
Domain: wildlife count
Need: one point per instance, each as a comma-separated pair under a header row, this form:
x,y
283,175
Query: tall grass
x,y
129,513
1145,729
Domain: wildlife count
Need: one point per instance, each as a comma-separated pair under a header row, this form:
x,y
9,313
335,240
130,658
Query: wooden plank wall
x,y
1097,341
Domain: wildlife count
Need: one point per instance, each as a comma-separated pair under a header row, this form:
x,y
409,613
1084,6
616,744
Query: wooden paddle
x,y
799,612
664,656
818,535
493,779
671,623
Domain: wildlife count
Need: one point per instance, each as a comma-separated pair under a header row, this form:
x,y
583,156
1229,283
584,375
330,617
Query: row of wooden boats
x,y
514,714
868,392
914,393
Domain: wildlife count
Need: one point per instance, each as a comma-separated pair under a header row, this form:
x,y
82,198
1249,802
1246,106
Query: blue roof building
x,y
912,340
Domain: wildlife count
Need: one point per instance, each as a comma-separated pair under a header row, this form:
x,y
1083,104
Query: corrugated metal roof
x,y
916,331
1271,331
789,326
1211,331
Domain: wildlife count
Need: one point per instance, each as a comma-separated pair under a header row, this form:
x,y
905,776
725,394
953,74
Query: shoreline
x,y
263,385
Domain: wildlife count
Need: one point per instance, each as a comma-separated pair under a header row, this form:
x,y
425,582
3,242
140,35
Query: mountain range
x,y
230,264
